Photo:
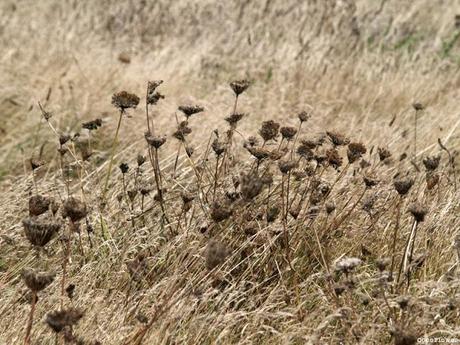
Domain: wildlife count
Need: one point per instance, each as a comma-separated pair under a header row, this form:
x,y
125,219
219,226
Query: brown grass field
x,y
293,180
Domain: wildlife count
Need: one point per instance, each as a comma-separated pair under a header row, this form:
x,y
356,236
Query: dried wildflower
x,y
220,212
418,106
37,281
267,178
295,211
259,153
276,155
251,186
312,212
60,319
383,153
182,131
38,204
288,133
338,139
233,119
330,207
355,151
38,232
215,254
346,265
92,125
333,158
70,290
431,163
74,209
152,96
287,166
251,142
189,151
382,263
403,302
269,130
272,213
303,116
432,179
368,203
140,160
132,193
403,185
190,110
36,163
370,180
218,147
299,175
339,289
64,138
154,141
125,100
418,211
239,86
124,168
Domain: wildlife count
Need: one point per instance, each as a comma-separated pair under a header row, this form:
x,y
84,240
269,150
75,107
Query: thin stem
x,y
31,318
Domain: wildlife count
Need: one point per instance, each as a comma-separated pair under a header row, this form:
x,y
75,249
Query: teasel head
x,y
39,204
239,86
269,130
303,116
333,158
383,153
431,163
337,139
74,209
182,131
250,186
124,100
155,140
418,211
355,151
40,232
233,119
220,212
140,160
288,133
152,96
124,167
92,125
215,254
37,281
403,185
59,319
286,166
218,147
190,110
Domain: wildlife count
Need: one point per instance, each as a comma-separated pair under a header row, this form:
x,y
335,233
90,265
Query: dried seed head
x,y
333,158
370,180
155,141
403,336
267,178
403,302
220,212
299,175
92,125
330,207
152,96
346,265
294,211
138,268
74,209
368,203
383,153
382,263
36,163
189,151
251,142
124,100
418,106
403,185
70,290
182,131
432,179
272,214
140,160
431,163
338,139
39,204
355,151
216,253
303,116
64,138
124,168
287,166
233,119
60,319
218,147
288,133
187,197
269,130
37,281
418,211
190,110
260,153
132,193
39,232
239,86
251,185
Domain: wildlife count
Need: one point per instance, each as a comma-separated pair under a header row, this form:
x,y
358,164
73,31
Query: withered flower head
x,y
140,159
215,254
218,147
260,153
346,265
330,207
269,130
36,163
60,319
92,125
182,131
187,197
432,179
333,158
233,119
74,209
303,116
125,100
383,153
370,180
39,232
267,178
288,132
418,211
155,141
152,86
403,185
431,163
63,138
272,213
355,151
37,281
251,142
403,336
239,86
418,106
310,143
152,96
220,212
299,175
382,263
286,166
190,110
338,139
189,151
251,185
124,167
38,204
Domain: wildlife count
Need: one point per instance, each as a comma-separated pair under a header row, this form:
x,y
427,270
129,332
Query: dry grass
x,y
207,263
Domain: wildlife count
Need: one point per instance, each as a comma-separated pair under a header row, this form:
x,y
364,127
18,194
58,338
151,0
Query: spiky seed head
x,y
59,319
124,167
239,86
38,204
154,140
403,185
418,211
39,232
288,132
337,138
355,151
74,209
431,163
190,110
303,116
124,100
383,153
37,281
269,130
215,254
